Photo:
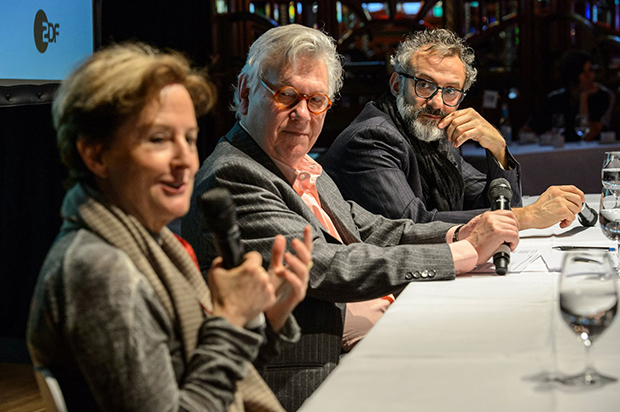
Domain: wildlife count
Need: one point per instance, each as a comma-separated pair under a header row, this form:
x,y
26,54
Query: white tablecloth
x,y
476,344
577,163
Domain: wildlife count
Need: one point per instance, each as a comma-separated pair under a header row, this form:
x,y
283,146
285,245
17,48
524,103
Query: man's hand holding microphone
x,y
494,233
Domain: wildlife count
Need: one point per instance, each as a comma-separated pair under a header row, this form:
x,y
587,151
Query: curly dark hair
x,y
439,41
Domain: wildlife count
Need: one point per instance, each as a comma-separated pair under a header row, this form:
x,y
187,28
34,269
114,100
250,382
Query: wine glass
x,y
582,125
588,303
557,123
610,173
609,219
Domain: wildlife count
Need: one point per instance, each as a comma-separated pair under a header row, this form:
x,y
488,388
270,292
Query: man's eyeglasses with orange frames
x,y
287,97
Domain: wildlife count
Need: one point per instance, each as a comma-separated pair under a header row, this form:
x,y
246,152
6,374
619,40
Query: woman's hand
x,y
242,293
290,280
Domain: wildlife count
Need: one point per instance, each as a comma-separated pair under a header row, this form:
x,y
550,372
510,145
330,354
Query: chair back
x,y
50,390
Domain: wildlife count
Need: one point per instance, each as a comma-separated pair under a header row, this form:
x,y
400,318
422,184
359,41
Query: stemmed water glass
x,y
609,219
610,173
588,303
582,125
609,211
557,123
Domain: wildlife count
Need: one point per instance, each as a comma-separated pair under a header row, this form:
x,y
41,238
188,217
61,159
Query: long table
x,y
479,343
577,163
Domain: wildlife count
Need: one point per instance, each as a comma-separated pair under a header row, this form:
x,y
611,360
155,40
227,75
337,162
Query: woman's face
x,y
150,165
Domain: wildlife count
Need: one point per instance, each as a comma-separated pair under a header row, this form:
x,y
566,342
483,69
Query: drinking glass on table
x,y
588,304
582,125
610,173
609,219
557,123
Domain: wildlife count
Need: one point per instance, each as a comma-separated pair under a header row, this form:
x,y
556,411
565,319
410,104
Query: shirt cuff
x,y
464,256
512,162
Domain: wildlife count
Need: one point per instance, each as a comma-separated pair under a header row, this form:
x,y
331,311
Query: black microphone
x,y
220,216
588,216
500,194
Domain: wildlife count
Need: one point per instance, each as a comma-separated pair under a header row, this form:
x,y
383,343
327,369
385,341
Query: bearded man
x,y
400,156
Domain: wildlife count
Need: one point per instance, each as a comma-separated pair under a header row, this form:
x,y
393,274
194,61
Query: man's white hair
x,y
282,47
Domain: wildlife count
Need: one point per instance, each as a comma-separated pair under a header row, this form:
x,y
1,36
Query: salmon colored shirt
x,y
360,316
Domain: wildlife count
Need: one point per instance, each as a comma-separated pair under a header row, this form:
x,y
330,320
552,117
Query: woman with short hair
x,y
121,314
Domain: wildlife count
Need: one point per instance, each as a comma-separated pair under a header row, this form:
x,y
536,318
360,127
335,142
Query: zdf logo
x,y
44,31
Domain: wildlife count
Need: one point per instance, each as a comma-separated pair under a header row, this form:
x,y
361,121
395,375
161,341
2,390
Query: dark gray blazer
x,y
374,165
362,268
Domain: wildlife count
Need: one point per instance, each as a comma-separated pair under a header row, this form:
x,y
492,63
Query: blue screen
x,y
44,39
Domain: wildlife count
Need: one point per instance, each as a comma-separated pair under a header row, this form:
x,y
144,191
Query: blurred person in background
x,y
579,103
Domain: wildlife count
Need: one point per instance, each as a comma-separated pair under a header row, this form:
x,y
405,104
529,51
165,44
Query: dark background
x,y
31,174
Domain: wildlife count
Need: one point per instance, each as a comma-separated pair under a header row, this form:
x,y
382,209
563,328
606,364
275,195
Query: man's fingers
x,y
571,188
445,122
574,199
456,118
566,223
569,192
464,133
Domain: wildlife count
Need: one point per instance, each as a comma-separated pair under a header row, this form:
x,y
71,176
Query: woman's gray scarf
x,y
177,282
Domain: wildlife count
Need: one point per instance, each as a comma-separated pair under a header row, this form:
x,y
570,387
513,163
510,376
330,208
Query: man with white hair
x,y
400,156
360,260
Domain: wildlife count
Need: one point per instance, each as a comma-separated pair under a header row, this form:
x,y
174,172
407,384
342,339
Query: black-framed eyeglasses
x,y
426,89
288,96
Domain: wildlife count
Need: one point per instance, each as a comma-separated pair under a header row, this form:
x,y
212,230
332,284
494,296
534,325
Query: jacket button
x,y
409,276
425,273
432,273
416,274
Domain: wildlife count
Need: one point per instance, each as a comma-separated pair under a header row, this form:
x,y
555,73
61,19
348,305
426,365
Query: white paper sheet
x,y
519,261
553,259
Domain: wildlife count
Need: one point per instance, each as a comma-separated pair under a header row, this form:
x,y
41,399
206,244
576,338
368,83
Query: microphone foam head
x,y
218,210
499,187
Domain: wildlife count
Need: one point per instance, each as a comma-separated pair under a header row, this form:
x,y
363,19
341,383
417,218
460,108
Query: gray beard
x,y
425,132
